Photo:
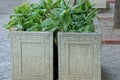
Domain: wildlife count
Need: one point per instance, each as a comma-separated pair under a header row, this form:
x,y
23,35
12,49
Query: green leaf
x,y
63,4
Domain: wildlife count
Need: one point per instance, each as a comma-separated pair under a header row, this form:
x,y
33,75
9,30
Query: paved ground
x,y
4,51
6,5
111,62
110,53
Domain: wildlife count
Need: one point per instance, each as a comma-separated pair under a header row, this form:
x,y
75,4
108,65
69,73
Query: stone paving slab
x,y
111,62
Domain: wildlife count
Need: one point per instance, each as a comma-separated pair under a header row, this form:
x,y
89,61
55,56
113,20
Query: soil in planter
x,y
55,62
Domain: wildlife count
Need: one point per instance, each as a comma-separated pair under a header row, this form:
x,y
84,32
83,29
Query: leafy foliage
x,y
32,17
78,18
49,15
53,16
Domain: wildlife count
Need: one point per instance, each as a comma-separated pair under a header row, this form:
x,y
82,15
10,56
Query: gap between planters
x,y
55,61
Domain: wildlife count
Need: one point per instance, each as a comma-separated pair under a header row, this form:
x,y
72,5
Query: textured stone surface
x,y
111,62
79,56
32,55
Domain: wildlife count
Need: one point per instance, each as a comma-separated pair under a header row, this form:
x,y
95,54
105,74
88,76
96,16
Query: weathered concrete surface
x,y
79,56
111,62
32,55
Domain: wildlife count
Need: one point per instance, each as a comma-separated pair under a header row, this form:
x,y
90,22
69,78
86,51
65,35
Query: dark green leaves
x,y
82,15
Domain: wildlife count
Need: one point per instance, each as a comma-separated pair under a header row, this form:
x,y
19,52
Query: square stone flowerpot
x,y
32,55
79,56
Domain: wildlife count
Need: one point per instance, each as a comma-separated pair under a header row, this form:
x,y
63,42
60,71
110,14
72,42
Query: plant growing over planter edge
x,y
53,16
32,17
76,18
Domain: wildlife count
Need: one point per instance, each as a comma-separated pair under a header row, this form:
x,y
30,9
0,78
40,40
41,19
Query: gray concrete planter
x,y
32,55
79,56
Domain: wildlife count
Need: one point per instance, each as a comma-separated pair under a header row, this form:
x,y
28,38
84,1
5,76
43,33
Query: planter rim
x,y
29,32
78,33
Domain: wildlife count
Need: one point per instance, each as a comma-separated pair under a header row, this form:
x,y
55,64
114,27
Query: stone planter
x,y
79,56
32,55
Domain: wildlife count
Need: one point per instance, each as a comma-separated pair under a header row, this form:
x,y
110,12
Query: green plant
x,y
32,17
53,16
78,18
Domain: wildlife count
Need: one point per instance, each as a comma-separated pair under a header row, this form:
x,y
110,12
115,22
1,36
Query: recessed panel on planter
x,y
80,60
79,56
32,55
